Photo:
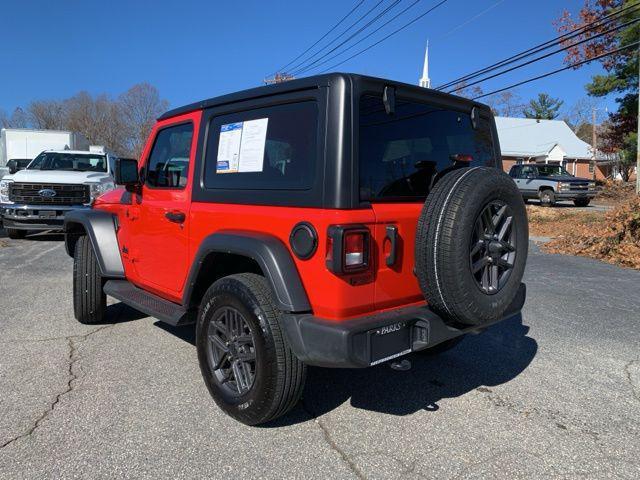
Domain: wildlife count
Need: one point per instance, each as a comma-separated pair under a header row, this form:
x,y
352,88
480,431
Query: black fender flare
x,y
269,252
100,226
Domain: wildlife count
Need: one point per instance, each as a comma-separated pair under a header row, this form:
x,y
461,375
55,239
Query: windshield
x,y
70,162
552,171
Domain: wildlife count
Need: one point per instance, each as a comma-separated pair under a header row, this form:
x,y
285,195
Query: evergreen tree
x,y
544,108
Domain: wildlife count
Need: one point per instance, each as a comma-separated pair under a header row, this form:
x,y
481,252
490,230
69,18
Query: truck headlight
x,y
4,191
97,189
592,185
564,186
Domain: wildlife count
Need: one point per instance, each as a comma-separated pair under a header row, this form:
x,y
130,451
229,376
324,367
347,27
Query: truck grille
x,y
35,194
579,187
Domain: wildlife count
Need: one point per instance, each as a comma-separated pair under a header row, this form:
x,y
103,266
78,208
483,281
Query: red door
x,y
159,229
395,232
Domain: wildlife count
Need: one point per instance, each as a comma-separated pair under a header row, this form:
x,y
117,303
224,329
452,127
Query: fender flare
x,y
100,226
268,252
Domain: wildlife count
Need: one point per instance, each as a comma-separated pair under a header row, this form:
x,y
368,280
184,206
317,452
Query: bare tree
x,y
18,119
140,106
47,114
4,119
505,104
122,124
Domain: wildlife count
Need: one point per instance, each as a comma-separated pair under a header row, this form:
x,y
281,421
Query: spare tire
x,y
471,245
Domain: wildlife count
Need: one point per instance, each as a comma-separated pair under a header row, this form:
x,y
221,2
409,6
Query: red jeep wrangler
x,y
336,221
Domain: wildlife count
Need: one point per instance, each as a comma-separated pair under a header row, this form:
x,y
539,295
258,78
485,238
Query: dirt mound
x,y
615,240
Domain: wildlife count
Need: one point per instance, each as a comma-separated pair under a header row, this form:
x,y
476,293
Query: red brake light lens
x,y
347,249
462,157
354,249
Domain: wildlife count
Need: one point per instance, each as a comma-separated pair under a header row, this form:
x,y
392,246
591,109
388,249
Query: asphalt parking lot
x,y
555,392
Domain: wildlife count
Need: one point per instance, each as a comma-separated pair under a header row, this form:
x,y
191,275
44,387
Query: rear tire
x,y
471,245
547,197
89,300
16,234
582,202
244,357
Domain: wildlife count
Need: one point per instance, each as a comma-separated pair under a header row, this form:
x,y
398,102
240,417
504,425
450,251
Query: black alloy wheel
x,y
492,249
231,351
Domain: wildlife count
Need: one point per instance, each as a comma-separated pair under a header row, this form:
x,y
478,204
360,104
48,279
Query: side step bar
x,y
153,305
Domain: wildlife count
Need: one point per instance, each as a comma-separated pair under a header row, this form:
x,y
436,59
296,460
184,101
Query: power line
x,y
548,74
467,22
542,57
541,47
387,36
323,36
363,38
363,16
360,30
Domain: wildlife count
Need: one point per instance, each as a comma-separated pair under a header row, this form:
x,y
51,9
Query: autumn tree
x,y
621,68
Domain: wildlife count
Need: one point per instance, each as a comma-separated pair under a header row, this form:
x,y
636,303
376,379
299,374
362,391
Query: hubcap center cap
x,y
495,248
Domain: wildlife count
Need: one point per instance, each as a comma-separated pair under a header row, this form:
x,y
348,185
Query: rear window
x,y
401,153
268,148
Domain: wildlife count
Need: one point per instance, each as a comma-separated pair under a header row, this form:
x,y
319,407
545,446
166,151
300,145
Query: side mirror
x,y
530,176
126,172
12,165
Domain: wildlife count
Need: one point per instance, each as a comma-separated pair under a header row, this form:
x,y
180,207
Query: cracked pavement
x,y
553,393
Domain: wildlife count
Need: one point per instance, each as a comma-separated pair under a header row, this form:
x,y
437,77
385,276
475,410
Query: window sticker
x,y
229,148
241,146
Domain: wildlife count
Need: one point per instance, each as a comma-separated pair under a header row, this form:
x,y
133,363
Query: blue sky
x,y
198,49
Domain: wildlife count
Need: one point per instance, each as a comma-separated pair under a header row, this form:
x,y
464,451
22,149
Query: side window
x,y
168,165
271,148
514,172
525,171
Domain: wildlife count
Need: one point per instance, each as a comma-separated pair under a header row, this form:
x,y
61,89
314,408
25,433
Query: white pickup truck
x,y
53,183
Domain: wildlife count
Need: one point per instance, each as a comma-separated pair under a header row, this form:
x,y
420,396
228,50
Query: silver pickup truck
x,y
551,183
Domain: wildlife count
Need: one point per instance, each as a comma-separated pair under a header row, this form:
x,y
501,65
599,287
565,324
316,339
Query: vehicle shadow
x,y
45,236
38,236
492,358
121,313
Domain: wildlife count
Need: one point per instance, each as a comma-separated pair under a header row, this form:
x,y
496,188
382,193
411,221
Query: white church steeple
x,y
425,81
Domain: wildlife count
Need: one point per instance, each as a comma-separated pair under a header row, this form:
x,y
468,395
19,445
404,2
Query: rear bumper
x,y
374,339
35,217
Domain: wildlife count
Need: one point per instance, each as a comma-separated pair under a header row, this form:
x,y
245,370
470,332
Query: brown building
x,y
527,140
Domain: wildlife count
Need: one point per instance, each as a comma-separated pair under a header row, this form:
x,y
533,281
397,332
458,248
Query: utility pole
x,y
638,137
594,139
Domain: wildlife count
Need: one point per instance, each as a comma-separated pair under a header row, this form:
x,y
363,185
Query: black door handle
x,y
175,217
392,235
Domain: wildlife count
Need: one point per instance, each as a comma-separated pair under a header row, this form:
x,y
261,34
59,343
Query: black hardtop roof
x,y
306,83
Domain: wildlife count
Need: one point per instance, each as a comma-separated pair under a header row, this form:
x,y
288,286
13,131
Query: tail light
x,y
348,248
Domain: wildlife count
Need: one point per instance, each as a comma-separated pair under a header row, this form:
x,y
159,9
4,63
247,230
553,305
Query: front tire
x,y
89,300
244,357
15,234
547,197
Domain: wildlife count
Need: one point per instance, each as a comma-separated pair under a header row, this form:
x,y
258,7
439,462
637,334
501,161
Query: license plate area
x,y
388,342
47,214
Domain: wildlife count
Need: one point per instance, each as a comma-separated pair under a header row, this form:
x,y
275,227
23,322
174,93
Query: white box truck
x,y
24,144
